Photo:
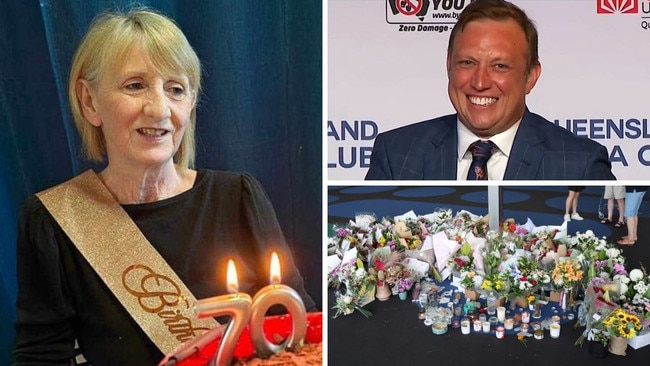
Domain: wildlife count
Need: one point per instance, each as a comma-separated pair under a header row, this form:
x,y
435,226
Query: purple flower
x,y
342,232
521,231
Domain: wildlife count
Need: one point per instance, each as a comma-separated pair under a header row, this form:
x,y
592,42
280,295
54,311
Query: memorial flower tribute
x,y
513,261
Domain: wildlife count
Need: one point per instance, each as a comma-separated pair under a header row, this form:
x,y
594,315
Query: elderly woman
x,y
116,260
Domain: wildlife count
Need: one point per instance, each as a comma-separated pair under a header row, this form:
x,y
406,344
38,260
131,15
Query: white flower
x,y
360,273
604,275
589,233
346,299
640,287
622,288
612,253
622,279
636,274
478,280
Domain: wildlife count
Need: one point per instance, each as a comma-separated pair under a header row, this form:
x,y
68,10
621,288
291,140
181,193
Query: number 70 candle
x,y
277,294
236,305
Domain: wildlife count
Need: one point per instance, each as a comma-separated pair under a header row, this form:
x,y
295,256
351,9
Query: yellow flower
x,y
531,298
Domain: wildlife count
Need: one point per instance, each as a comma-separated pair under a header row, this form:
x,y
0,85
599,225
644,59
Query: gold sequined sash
x,y
125,260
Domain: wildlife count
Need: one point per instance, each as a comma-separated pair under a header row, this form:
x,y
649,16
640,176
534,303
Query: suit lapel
x,y
442,155
527,151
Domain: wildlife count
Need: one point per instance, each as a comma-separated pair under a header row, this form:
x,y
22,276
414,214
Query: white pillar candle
x,y
555,330
501,314
464,326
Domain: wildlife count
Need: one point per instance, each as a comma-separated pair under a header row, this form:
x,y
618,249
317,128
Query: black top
x,y
60,297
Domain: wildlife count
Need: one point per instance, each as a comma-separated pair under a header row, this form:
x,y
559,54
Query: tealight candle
x,y
277,294
237,306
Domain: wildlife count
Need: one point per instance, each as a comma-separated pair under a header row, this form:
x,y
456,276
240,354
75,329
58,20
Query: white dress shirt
x,y
498,162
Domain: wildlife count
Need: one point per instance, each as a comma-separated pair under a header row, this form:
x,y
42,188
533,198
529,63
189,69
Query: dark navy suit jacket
x,y
541,150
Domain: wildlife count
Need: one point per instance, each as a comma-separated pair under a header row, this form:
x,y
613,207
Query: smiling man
x,y
492,64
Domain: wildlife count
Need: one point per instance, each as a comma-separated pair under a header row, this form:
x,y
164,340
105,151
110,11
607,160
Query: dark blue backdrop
x,y
260,112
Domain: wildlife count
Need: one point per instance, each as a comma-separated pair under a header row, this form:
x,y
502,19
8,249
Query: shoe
x,y
576,216
567,217
619,224
605,221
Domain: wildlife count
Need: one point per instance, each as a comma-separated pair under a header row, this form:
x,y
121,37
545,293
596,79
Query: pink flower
x,y
619,269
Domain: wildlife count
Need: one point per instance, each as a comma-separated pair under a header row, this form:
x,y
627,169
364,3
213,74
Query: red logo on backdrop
x,y
409,7
617,6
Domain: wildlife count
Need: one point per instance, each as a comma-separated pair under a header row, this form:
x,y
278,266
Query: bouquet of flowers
x,y
588,243
609,264
635,295
598,304
567,273
462,260
526,277
359,285
622,323
497,283
403,284
491,253
470,280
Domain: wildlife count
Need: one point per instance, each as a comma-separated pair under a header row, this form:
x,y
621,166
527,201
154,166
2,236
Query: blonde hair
x,y
110,37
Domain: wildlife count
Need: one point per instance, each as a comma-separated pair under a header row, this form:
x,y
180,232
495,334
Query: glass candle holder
x,y
478,325
537,313
509,323
555,330
464,326
501,313
455,322
439,327
486,326
493,321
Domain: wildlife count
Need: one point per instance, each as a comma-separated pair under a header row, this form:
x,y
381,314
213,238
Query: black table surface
x,y
394,335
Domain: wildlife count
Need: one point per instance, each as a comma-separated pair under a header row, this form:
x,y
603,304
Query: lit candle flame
x,y
231,278
275,268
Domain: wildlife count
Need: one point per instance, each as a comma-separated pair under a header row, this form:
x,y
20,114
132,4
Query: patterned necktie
x,y
481,152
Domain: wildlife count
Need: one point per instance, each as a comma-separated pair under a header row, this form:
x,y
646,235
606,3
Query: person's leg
x,y
568,204
608,195
621,209
574,204
632,204
621,213
631,227
610,209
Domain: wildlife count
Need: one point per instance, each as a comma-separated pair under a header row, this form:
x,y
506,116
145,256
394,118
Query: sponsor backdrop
x,y
387,69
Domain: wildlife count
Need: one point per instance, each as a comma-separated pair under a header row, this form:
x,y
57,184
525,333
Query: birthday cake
x,y
309,355
276,328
